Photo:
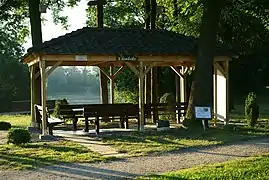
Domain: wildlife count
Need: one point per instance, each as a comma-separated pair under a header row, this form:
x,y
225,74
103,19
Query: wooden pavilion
x,y
138,49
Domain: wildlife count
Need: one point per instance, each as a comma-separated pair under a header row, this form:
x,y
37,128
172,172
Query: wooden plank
x,y
220,68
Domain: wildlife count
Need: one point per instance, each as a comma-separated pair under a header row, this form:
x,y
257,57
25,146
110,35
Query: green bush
x,y
56,111
18,136
170,99
126,96
251,109
5,125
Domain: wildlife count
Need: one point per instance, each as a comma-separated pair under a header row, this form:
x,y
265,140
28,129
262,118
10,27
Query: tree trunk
x,y
148,76
203,75
154,75
36,34
103,78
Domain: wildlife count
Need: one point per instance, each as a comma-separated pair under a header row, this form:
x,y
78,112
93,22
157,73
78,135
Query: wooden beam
x,y
105,73
49,71
131,66
221,69
118,71
177,71
149,68
112,84
215,89
59,57
227,92
42,66
32,87
183,87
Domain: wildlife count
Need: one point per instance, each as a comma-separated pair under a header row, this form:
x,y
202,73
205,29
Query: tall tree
x,y
203,75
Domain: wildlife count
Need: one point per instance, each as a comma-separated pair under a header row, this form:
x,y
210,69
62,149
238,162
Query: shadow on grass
x,y
60,148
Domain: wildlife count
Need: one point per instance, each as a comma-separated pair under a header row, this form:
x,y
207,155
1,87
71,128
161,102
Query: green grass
x,y
248,168
157,142
17,120
34,155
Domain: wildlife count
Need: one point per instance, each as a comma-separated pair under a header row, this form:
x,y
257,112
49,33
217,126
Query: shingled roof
x,y
109,41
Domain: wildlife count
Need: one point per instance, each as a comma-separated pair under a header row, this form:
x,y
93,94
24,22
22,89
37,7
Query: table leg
x,y
86,129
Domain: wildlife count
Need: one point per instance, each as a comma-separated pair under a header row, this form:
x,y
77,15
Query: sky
x,y
76,20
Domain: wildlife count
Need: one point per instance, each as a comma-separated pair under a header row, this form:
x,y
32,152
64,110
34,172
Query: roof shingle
x,y
111,41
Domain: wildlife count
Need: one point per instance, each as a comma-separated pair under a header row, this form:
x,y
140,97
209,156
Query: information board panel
x,y
203,112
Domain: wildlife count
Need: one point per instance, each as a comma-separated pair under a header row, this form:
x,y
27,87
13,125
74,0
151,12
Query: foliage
x,y
247,168
34,155
126,96
5,125
56,111
170,99
251,109
18,136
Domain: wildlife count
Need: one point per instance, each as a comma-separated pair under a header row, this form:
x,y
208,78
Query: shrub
x,y
56,111
251,109
170,99
126,96
5,125
18,136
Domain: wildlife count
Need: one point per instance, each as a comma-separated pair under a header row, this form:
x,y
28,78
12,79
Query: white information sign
x,y
203,112
81,58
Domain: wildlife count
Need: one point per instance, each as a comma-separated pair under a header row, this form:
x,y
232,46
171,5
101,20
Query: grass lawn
x,y
248,168
17,120
38,154
155,142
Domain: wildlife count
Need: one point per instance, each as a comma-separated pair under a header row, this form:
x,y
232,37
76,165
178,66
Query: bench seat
x,y
51,121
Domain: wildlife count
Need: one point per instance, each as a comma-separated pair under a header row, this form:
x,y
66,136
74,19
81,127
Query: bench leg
x,y
75,121
121,122
86,129
97,125
50,130
126,123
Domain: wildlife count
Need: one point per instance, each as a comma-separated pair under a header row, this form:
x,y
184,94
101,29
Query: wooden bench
x,y
51,121
111,111
73,112
179,109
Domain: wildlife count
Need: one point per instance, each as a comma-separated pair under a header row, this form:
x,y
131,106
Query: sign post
x,y
203,113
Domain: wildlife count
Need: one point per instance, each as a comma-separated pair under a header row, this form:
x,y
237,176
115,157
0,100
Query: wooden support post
x,y
112,84
49,71
177,97
43,96
183,87
215,89
32,87
227,92
141,96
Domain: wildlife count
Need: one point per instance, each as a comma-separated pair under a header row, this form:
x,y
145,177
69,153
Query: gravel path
x,y
131,167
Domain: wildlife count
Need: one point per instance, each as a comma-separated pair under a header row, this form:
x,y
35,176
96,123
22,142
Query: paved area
x,y
93,143
129,168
